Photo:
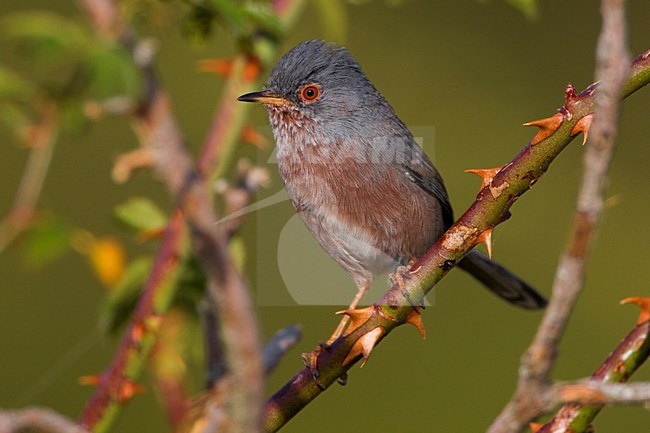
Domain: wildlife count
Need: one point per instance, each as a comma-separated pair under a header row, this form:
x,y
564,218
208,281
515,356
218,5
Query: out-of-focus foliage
x,y
121,301
527,7
242,19
141,214
65,63
48,239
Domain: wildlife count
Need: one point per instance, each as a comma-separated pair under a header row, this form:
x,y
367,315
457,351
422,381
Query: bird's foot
x,y
311,361
401,274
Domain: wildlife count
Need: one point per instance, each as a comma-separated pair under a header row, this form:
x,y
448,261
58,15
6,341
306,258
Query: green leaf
x,y
140,213
14,118
334,19
51,35
13,86
263,17
46,241
527,7
197,24
113,72
231,14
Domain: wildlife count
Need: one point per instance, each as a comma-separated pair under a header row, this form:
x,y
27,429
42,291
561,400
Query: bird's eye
x,y
310,93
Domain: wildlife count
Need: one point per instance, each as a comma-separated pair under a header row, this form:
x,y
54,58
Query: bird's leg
x,y
363,288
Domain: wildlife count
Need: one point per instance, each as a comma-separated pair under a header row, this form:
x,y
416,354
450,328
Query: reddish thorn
x,y
252,136
535,427
357,318
221,67
643,303
486,174
252,69
485,238
128,390
414,317
547,127
91,380
137,332
150,234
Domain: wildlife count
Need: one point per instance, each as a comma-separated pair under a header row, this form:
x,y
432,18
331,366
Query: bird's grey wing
x,y
419,169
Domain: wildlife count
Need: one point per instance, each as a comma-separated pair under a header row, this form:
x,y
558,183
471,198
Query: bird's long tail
x,y
501,281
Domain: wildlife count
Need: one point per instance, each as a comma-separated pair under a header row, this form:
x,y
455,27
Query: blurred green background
x,y
469,71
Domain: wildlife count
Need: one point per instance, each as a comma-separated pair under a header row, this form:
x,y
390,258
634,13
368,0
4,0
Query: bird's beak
x,y
264,97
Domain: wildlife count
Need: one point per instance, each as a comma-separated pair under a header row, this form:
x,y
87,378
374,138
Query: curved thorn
x,y
643,303
486,174
485,238
583,125
415,318
547,127
357,318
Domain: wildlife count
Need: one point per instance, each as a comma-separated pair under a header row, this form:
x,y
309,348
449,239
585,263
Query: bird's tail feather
x,y
501,281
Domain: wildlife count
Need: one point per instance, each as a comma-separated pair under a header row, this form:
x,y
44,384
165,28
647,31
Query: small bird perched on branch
x,y
360,183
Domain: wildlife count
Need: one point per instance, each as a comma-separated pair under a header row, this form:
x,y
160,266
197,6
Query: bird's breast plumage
x,y
364,212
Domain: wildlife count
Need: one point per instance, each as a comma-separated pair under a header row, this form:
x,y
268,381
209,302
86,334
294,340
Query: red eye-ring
x,y
310,93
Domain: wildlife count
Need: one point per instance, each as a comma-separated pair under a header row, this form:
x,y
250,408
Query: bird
x,y
355,175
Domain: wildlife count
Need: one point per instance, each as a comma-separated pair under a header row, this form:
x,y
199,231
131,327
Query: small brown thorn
x,y
583,125
364,345
150,234
252,69
357,318
221,67
486,174
91,380
128,390
485,238
547,127
137,332
415,318
535,427
643,303
251,135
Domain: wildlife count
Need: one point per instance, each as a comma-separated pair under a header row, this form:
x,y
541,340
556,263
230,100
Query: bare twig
x,y
538,361
274,350
41,139
590,392
35,418
283,340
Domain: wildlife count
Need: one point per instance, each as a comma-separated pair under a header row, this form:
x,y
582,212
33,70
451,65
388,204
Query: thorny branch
x,y
538,361
41,139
